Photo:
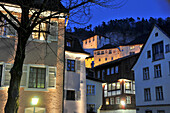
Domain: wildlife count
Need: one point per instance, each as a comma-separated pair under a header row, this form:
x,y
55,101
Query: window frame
x,y
146,73
72,97
70,68
157,70
149,54
167,48
159,93
157,50
147,94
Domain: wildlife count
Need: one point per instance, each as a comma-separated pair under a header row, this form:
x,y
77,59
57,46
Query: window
x,y
90,89
132,53
149,54
128,99
39,33
98,52
158,52
102,52
167,48
93,39
110,51
159,93
113,86
107,101
103,72
160,111
109,86
118,85
98,74
147,94
70,95
146,73
105,90
105,59
89,40
127,85
108,71
117,100
37,77
112,58
70,65
116,69
99,59
68,43
38,110
132,47
112,70
157,71
148,111
0,74
86,42
156,34
90,107
112,101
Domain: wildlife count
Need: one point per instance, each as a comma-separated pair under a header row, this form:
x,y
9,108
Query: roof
x,y
116,61
94,35
162,29
52,5
90,57
76,46
107,46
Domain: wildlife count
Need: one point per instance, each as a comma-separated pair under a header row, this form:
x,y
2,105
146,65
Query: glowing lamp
x,y
35,100
122,103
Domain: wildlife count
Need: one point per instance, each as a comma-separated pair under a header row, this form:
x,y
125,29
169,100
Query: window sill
x,y
35,89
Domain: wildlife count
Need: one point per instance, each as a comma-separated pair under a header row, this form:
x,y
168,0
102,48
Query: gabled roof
x,y
107,46
51,5
163,31
76,46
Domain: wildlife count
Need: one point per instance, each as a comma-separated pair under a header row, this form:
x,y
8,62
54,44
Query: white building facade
x,y
152,74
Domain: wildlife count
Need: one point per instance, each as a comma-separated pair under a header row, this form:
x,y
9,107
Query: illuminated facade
x,y
153,70
119,86
109,53
75,76
42,70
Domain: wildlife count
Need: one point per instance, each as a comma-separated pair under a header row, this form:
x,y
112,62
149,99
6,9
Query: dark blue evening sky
x,y
133,8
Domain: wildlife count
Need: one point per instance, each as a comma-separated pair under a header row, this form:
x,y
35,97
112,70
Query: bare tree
x,y
31,15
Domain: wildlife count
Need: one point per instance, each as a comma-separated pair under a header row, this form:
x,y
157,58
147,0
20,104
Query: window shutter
x,y
53,35
7,74
52,77
78,95
78,65
24,76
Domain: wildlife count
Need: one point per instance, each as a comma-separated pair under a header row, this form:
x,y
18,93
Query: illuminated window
x,y
128,85
117,100
113,86
37,77
31,110
107,101
112,101
110,87
128,99
132,47
118,85
0,74
70,65
90,89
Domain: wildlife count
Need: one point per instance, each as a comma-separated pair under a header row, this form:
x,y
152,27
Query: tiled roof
x,y
107,46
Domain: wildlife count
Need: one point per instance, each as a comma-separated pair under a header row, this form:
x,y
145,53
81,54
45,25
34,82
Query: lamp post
x,y
34,102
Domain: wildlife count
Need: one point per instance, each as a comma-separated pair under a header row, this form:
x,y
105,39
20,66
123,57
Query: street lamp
x,y
122,103
34,102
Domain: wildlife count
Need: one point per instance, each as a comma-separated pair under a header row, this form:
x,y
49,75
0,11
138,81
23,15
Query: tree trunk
x,y
12,104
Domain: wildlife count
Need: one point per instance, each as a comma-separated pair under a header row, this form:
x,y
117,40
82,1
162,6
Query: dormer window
x,y
68,43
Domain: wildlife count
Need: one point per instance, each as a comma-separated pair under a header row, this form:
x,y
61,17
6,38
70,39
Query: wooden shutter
x,y
78,66
52,77
7,74
53,35
24,76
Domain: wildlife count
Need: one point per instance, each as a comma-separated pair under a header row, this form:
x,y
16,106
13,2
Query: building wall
x,y
88,62
41,55
90,43
118,111
97,98
76,82
154,109
117,53
153,82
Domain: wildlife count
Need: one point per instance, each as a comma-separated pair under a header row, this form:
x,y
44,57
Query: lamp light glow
x,y
35,100
122,103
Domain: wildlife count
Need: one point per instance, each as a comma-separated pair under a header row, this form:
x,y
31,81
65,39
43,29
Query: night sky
x,y
133,8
